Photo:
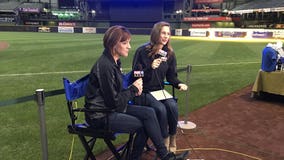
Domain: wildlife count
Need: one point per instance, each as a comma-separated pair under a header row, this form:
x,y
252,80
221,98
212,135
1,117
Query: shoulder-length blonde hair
x,y
114,35
155,37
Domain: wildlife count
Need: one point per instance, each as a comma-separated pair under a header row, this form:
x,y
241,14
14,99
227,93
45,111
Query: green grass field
x,y
40,60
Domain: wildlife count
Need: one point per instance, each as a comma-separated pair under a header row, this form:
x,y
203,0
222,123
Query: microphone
x,y
138,73
163,55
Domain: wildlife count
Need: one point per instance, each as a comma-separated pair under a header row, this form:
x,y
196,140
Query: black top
x,y
153,78
104,89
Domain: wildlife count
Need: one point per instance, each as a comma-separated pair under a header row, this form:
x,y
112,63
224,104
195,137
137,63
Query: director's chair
x,y
87,134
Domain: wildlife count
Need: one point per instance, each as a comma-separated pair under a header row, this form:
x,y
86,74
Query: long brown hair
x,y
155,37
114,35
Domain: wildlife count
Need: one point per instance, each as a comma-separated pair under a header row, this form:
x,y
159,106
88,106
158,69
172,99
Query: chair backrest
x,y
77,89
74,91
127,79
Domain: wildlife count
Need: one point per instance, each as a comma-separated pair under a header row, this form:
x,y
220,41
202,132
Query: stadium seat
x,y
88,135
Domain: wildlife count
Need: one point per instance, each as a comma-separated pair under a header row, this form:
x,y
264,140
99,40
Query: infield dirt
x,y
236,127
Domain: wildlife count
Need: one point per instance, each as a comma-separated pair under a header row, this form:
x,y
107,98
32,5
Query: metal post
x,y
40,98
186,124
188,70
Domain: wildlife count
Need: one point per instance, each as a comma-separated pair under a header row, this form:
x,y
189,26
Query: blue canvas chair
x,y
88,135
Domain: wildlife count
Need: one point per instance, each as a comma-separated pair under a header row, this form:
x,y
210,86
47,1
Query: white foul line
x,y
68,72
219,64
40,73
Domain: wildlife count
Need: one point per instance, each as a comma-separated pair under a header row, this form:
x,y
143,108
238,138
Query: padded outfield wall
x,y
209,33
237,33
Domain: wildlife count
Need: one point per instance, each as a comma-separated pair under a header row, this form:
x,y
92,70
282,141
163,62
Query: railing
x,y
39,96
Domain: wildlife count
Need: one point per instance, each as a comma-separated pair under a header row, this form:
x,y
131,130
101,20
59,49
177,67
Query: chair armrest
x,y
170,84
167,83
85,110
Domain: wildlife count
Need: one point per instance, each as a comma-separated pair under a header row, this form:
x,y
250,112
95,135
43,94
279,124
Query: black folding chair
x,y
87,134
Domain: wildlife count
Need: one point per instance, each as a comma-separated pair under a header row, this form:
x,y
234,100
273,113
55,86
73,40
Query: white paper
x,y
161,94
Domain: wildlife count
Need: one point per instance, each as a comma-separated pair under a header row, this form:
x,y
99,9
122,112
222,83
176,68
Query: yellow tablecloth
x,y
270,82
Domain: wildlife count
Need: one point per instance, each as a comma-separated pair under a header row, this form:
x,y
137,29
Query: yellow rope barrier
x,y
73,139
71,148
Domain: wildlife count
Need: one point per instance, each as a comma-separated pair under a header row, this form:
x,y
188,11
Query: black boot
x,y
172,156
169,156
182,156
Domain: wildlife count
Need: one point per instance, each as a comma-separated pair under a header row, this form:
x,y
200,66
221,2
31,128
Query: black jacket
x,y
104,89
153,78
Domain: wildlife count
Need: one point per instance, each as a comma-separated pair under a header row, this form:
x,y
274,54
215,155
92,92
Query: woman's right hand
x,y
156,63
139,85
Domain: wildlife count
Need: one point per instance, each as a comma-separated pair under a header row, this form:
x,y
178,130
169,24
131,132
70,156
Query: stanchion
x,y
40,98
187,124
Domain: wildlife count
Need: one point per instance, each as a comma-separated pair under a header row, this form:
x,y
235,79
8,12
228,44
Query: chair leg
x,y
112,148
126,149
89,153
91,144
129,146
122,150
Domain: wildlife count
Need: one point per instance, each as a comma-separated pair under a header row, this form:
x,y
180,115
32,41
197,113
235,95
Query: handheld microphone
x,y
163,55
138,73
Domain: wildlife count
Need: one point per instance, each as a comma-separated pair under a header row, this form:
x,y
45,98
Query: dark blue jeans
x,y
139,119
150,124
166,110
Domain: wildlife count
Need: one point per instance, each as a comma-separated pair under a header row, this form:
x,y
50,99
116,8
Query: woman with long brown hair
x,y
158,62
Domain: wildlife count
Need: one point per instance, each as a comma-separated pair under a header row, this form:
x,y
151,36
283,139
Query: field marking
x,y
128,69
219,64
40,73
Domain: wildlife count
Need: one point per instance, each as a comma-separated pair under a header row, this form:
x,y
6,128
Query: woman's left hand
x,y
182,87
139,85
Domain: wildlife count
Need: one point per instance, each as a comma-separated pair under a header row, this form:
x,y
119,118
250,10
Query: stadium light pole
x,y
185,124
179,17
